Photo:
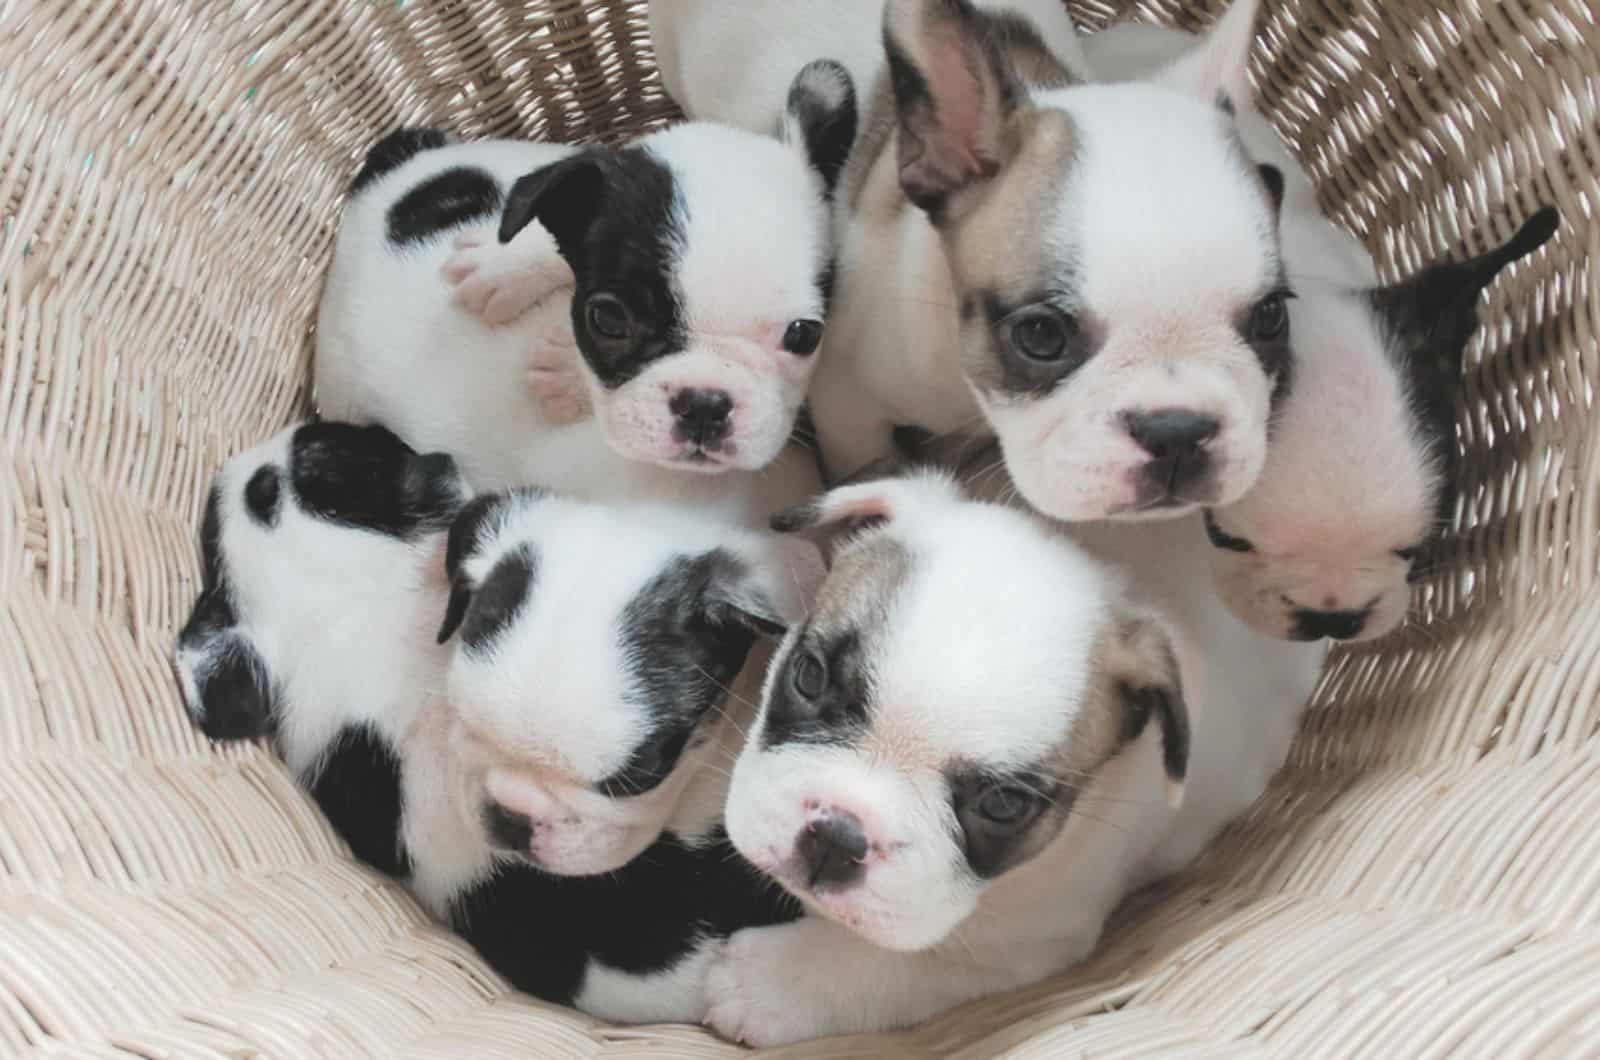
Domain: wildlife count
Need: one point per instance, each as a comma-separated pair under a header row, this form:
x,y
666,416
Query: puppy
x,y
1360,479
976,744
675,287
546,770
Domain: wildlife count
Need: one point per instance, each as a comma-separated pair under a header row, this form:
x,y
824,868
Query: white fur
x,y
1348,480
396,345
982,658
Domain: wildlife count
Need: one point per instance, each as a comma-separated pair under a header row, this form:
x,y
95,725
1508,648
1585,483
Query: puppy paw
x,y
755,994
556,386
496,282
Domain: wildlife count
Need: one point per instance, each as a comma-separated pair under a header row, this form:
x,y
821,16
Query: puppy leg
x,y
498,282
812,978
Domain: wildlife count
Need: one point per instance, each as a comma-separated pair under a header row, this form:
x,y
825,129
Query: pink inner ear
x,y
962,140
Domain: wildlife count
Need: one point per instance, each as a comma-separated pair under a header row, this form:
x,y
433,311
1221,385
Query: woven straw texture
x,y
1422,879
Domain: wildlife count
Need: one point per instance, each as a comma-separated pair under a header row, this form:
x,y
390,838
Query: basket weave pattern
x,y
1424,876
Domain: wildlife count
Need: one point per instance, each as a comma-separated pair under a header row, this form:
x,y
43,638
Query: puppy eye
x,y
808,676
1041,334
608,317
803,337
1007,805
1269,320
1222,539
1408,554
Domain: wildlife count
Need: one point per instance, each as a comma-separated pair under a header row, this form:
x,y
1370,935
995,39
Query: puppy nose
x,y
1339,625
507,829
832,848
1170,433
703,415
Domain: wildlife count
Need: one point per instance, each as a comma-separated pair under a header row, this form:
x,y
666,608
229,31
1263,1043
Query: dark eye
x,y
1409,554
803,337
1040,334
1222,539
808,676
1006,805
608,317
1269,320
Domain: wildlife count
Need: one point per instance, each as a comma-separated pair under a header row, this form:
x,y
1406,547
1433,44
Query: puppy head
x,y
1361,478
702,256
1115,255
965,682
594,651
308,513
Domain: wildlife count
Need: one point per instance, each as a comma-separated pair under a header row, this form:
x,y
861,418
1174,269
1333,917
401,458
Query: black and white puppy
x,y
1360,478
675,287
546,771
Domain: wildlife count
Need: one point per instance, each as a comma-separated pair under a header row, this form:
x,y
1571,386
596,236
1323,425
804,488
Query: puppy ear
x,y
820,118
1147,686
765,584
467,535
957,98
1218,67
882,500
434,487
565,197
1437,309
225,684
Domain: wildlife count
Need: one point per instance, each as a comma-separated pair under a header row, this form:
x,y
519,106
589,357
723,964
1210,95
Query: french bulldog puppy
x,y
528,718
613,318
982,737
1360,478
1091,272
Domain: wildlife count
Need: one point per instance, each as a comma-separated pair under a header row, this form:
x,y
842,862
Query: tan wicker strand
x,y
1422,878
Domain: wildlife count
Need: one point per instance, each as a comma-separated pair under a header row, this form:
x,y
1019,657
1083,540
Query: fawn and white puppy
x,y
981,738
1092,272
545,770
1360,477
676,287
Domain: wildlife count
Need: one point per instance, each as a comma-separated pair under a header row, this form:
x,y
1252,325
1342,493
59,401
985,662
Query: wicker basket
x,y
1423,877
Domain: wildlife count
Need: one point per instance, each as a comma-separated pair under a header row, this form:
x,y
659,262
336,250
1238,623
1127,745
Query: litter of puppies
x,y
563,625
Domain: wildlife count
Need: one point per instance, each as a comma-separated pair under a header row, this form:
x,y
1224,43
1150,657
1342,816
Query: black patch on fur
x,y
507,830
1015,373
1276,356
1430,319
992,848
541,931
826,277
500,599
441,203
212,574
1140,704
839,714
261,496
393,151
357,788
822,102
684,644
366,477
1335,625
618,219
236,697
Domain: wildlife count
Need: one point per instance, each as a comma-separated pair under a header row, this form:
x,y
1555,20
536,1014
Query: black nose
x,y
1339,625
507,829
703,416
832,849
1171,433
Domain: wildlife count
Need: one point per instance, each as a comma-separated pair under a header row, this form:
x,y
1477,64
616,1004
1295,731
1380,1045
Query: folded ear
x,y
565,197
957,98
1143,669
226,687
468,534
1218,68
1437,309
880,500
434,487
764,583
820,118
